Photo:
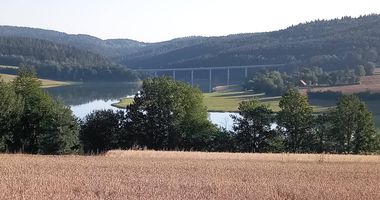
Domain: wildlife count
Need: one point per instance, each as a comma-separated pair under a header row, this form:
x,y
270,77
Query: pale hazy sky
x,y
158,20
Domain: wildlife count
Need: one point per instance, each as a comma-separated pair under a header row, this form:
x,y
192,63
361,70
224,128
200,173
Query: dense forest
x,y
337,44
330,44
60,62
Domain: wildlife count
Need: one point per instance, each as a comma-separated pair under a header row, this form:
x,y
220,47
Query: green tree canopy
x,y
101,130
39,124
253,128
353,127
167,114
295,121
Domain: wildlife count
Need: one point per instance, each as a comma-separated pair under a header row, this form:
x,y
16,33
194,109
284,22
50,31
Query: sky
x,y
159,20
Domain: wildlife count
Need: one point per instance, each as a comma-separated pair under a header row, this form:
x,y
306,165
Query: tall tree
x,y
167,114
353,127
295,121
253,128
45,126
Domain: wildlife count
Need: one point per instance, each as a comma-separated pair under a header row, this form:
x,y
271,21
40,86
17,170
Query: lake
x,y
85,98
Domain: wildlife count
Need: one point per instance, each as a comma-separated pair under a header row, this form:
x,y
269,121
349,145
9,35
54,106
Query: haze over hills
x,y
108,48
330,44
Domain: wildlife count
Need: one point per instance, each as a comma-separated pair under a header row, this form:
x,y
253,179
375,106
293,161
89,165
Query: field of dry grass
x,y
45,82
180,175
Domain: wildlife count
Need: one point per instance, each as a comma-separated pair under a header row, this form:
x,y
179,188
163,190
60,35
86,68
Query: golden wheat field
x,y
189,175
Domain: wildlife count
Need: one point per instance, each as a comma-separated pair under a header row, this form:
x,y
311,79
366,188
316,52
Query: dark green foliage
x,y
107,48
60,62
102,131
253,128
38,124
49,52
331,44
295,122
272,83
10,111
169,115
223,141
353,127
323,135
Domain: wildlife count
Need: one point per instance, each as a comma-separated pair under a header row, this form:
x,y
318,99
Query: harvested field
x,y
180,175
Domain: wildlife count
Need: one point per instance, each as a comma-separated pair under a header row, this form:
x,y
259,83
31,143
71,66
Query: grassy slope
x,y
189,175
45,82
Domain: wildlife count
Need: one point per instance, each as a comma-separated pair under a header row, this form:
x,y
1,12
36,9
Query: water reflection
x,y
74,95
84,109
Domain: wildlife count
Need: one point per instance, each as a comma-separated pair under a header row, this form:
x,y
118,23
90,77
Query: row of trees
x,y
347,128
275,82
170,115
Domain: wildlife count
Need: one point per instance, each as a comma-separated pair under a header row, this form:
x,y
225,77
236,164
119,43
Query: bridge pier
x,y
173,74
192,78
246,72
228,76
210,81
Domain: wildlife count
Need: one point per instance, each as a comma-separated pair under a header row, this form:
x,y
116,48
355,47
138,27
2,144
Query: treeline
x,y
60,62
276,82
170,115
348,128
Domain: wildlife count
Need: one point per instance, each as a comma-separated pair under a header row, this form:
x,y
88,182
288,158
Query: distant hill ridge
x,y
330,44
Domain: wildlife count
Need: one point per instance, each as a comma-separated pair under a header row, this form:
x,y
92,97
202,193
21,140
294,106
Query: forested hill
x,y
107,48
58,61
330,44
18,49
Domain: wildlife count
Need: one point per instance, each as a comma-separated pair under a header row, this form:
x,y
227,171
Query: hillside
x,y
330,44
58,61
108,48
37,50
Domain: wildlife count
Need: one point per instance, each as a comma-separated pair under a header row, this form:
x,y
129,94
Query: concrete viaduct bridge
x,y
243,71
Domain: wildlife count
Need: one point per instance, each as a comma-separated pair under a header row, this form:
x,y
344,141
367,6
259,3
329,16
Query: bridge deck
x,y
207,68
